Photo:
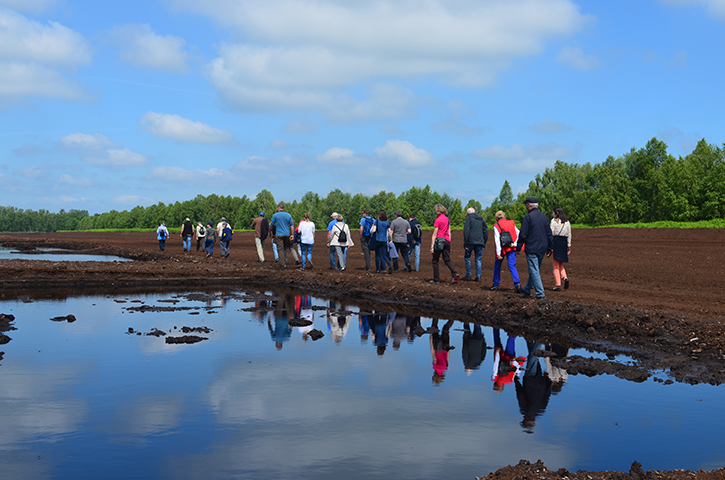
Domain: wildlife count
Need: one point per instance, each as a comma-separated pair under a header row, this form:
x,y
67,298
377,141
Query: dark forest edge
x,y
642,188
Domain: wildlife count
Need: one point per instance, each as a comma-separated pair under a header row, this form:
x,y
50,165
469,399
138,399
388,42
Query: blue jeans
x,y
511,259
382,261
209,247
225,248
534,260
416,250
467,257
274,249
306,253
186,240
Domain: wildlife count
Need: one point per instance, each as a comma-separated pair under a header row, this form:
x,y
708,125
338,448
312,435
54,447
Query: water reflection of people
x,y
440,346
533,395
380,328
364,326
283,311
398,329
338,321
413,324
474,347
303,310
558,375
506,365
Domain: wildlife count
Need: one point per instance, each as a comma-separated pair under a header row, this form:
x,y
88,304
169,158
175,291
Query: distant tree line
x,y
644,185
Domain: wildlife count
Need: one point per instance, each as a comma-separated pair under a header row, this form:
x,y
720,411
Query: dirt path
x,y
650,293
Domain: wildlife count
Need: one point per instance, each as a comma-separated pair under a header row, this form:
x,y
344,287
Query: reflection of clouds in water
x,y
325,415
34,405
147,416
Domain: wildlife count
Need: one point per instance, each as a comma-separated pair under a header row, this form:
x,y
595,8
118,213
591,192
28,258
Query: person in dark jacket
x,y
536,235
475,236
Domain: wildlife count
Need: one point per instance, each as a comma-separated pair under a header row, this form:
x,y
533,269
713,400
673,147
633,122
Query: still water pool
x,y
259,399
58,255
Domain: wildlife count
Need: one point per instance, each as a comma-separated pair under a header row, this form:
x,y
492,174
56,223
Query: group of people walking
x,y
401,238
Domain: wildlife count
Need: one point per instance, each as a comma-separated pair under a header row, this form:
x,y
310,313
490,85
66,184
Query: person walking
x,y
225,239
440,244
382,233
340,239
162,233
561,231
284,233
536,235
261,231
414,239
505,235
187,231
366,223
209,240
475,236
307,239
200,235
401,228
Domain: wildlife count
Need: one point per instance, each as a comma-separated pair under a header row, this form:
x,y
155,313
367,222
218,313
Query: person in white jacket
x,y
341,239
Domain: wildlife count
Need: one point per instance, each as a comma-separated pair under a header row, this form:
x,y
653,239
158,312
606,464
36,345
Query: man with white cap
x,y
536,235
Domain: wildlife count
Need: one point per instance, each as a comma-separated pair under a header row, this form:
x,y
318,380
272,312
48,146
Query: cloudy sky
x,y
109,105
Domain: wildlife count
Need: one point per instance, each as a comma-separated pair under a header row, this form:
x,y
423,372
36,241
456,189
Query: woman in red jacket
x,y
505,235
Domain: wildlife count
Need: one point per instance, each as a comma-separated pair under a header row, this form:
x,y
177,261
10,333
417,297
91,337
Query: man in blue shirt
x,y
284,233
535,233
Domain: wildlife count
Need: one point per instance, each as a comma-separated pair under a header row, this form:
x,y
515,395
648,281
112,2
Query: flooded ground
x,y
56,255
93,387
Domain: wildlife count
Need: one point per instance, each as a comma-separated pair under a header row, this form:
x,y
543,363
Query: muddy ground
x,y
652,294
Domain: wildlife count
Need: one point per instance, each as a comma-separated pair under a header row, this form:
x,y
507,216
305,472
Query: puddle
x,y
60,255
107,395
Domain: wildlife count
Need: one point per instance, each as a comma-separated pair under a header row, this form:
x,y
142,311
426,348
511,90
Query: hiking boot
x,y
455,279
495,288
566,283
466,278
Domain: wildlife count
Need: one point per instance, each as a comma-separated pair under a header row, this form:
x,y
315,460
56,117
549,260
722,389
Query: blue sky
x,y
109,105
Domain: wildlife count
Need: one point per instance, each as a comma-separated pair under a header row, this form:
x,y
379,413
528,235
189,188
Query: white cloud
x,y
31,54
527,159
303,53
339,157
86,141
183,175
99,150
183,130
72,181
678,60
454,121
405,153
32,6
576,58
140,46
278,145
299,126
715,8
549,126
20,80
32,171
30,41
130,200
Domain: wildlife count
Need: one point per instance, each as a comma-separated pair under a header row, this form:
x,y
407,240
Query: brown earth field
x,y
650,294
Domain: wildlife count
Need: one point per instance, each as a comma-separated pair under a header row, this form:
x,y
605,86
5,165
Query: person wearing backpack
x,y
366,223
162,233
261,231
225,238
200,235
401,229
505,235
416,233
340,239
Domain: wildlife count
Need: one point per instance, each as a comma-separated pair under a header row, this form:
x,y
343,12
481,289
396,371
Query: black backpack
x,y
162,234
342,236
417,231
505,237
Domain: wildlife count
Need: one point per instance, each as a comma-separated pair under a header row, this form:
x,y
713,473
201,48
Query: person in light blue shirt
x,y
284,233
